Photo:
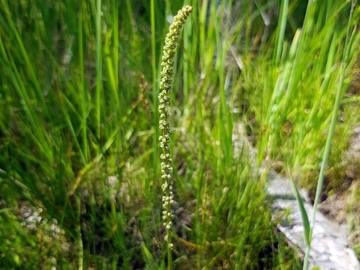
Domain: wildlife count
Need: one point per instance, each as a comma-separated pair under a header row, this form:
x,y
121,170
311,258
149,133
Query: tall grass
x,y
79,137
303,88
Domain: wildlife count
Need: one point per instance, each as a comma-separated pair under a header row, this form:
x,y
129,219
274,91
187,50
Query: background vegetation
x,y
79,164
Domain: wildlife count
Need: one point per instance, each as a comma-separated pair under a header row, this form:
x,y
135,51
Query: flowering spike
x,y
167,63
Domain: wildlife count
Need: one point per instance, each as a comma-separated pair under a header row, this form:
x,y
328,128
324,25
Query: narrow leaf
x,y
304,216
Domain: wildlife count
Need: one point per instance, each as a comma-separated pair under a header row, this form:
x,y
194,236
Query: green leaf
x,y
304,216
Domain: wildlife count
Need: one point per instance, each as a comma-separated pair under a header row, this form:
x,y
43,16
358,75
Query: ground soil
x,y
343,205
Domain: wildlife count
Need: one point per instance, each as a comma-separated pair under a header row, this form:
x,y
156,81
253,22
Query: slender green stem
x,y
79,236
98,68
84,91
155,85
281,30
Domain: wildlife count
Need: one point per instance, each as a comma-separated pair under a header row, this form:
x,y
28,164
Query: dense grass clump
x,y
80,173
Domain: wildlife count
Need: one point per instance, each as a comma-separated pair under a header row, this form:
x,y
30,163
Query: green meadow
x,y
80,172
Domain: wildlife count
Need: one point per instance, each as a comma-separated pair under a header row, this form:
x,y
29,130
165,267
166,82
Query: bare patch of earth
x,y
343,206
